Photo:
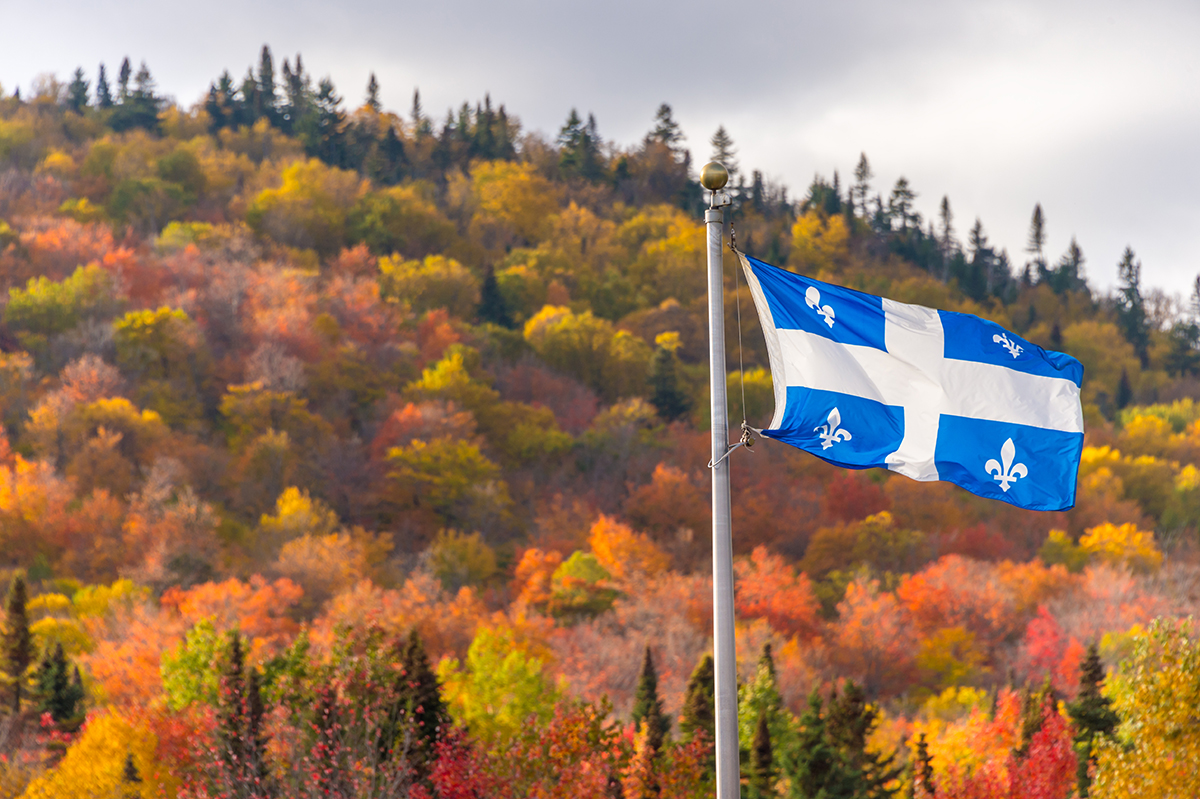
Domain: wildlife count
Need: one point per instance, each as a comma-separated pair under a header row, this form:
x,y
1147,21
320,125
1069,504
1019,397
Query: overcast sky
x,y
1090,108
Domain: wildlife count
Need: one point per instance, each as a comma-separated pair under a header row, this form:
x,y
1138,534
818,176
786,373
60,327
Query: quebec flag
x,y
862,382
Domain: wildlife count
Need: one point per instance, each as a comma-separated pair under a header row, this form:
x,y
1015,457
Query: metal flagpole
x,y
714,176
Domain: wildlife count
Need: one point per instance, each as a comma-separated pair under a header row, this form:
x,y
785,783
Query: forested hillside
x,y
351,453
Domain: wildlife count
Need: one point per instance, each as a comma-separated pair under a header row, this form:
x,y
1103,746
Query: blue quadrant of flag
x,y
863,381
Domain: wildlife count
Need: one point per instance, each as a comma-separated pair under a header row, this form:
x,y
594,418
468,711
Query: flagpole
x,y
714,176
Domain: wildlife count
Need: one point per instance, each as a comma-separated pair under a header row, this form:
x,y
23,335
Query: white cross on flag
x,y
862,381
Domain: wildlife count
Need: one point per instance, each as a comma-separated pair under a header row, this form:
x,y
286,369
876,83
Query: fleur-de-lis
x,y
813,299
1013,347
1008,472
831,433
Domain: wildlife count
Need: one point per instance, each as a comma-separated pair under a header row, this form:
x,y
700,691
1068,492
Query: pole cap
x,y
714,176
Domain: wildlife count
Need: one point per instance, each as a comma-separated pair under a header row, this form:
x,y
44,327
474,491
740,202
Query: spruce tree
x,y
1124,390
77,92
862,184
123,80
850,721
422,697
668,397
900,205
666,130
130,774
372,101
17,641
647,706
1131,306
492,307
814,765
242,758
762,765
103,92
266,103
1092,715
724,151
57,691
699,708
922,786
258,767
1037,242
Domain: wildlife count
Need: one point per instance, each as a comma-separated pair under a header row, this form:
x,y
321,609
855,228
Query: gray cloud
x,y
1092,109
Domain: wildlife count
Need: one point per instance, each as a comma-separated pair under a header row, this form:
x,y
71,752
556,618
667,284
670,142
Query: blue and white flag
x,y
862,381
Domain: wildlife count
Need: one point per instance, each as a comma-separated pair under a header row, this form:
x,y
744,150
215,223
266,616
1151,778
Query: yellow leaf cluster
x,y
1123,545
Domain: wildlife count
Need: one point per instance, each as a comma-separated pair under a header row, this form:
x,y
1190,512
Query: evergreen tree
x,y
666,130
699,702
329,143
103,92
1056,339
422,699
862,184
1124,390
900,205
1067,274
130,774
1037,242
241,731
669,398
492,307
1131,307
850,722
420,122
123,80
647,706
140,106
1092,715
922,786
372,101
724,151
17,641
55,691
815,767
762,765
579,147
946,238
77,92
265,101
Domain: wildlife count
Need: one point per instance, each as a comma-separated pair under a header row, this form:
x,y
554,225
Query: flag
x,y
862,381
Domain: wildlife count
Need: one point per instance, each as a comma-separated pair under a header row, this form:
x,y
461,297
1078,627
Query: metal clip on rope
x,y
746,441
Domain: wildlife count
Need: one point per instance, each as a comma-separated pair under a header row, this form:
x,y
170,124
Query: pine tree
x,y
103,92
123,80
762,765
699,702
422,698
862,184
668,397
814,765
1092,715
372,101
241,729
265,101
1056,339
130,774
900,205
1067,274
492,307
724,151
666,130
1124,390
922,786
56,692
258,767
17,641
647,706
77,92
850,721
1131,307
1037,242
579,147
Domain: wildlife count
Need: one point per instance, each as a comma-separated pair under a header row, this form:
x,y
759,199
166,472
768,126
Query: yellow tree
x,y
1155,692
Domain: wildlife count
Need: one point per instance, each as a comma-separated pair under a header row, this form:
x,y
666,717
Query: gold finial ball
x,y
714,176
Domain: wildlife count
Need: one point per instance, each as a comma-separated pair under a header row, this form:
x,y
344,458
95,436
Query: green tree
x,y
243,760
422,697
900,205
724,151
58,689
104,98
1092,715
1131,307
762,765
372,101
1036,245
77,92
699,703
647,706
816,768
17,641
850,722
492,307
579,148
922,786
668,397
862,184
666,130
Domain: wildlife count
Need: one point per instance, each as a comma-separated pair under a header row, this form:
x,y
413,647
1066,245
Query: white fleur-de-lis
x,y
1013,347
831,433
1008,472
813,298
